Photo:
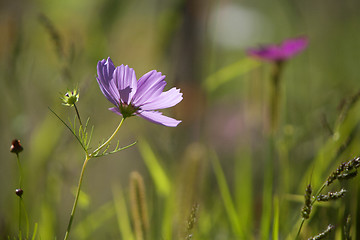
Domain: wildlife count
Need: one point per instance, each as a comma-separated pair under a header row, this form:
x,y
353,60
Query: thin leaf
x,y
77,138
227,73
115,150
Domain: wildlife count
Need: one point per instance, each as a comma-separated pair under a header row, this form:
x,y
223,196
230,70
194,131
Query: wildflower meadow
x,y
184,120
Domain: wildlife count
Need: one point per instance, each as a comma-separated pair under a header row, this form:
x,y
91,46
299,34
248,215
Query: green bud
x,y
70,98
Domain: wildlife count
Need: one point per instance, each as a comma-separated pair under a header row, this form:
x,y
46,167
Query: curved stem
x,y
107,141
76,198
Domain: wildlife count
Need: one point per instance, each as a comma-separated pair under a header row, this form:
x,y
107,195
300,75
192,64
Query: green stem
x,y
78,115
268,189
26,218
275,96
88,157
20,169
107,141
20,198
76,198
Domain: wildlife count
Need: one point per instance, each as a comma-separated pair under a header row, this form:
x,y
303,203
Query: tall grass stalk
x,y
138,206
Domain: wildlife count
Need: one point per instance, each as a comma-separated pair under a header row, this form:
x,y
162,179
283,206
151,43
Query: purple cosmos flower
x,y
286,50
137,97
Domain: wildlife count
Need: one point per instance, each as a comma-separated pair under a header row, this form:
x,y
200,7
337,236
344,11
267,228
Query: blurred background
x,y
49,47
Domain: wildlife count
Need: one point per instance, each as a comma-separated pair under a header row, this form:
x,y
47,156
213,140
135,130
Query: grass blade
x,y
226,196
122,215
162,182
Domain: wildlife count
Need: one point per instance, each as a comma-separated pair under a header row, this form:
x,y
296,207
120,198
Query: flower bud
x,y
19,192
16,146
70,98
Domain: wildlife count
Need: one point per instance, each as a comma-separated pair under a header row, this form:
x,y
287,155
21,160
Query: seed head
x,y
19,192
16,146
324,234
306,210
331,196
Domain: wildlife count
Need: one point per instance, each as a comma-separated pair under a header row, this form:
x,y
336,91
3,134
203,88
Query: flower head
x,y
137,97
70,98
286,50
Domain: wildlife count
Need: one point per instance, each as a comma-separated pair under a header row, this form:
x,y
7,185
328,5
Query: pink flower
x,y
286,50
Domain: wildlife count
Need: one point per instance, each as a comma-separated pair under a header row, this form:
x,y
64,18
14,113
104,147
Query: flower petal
x,y
165,100
150,85
286,50
105,69
157,117
115,110
293,46
114,92
125,80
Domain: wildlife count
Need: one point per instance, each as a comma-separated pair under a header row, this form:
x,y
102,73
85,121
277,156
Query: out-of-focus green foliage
x,y
47,47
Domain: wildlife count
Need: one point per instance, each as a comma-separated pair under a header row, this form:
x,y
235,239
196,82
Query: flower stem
x,y
78,115
76,198
20,198
20,169
26,218
275,95
88,157
107,141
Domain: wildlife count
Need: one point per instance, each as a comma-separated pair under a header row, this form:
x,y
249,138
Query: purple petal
x,y
105,69
157,117
165,100
115,110
150,86
125,80
114,92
